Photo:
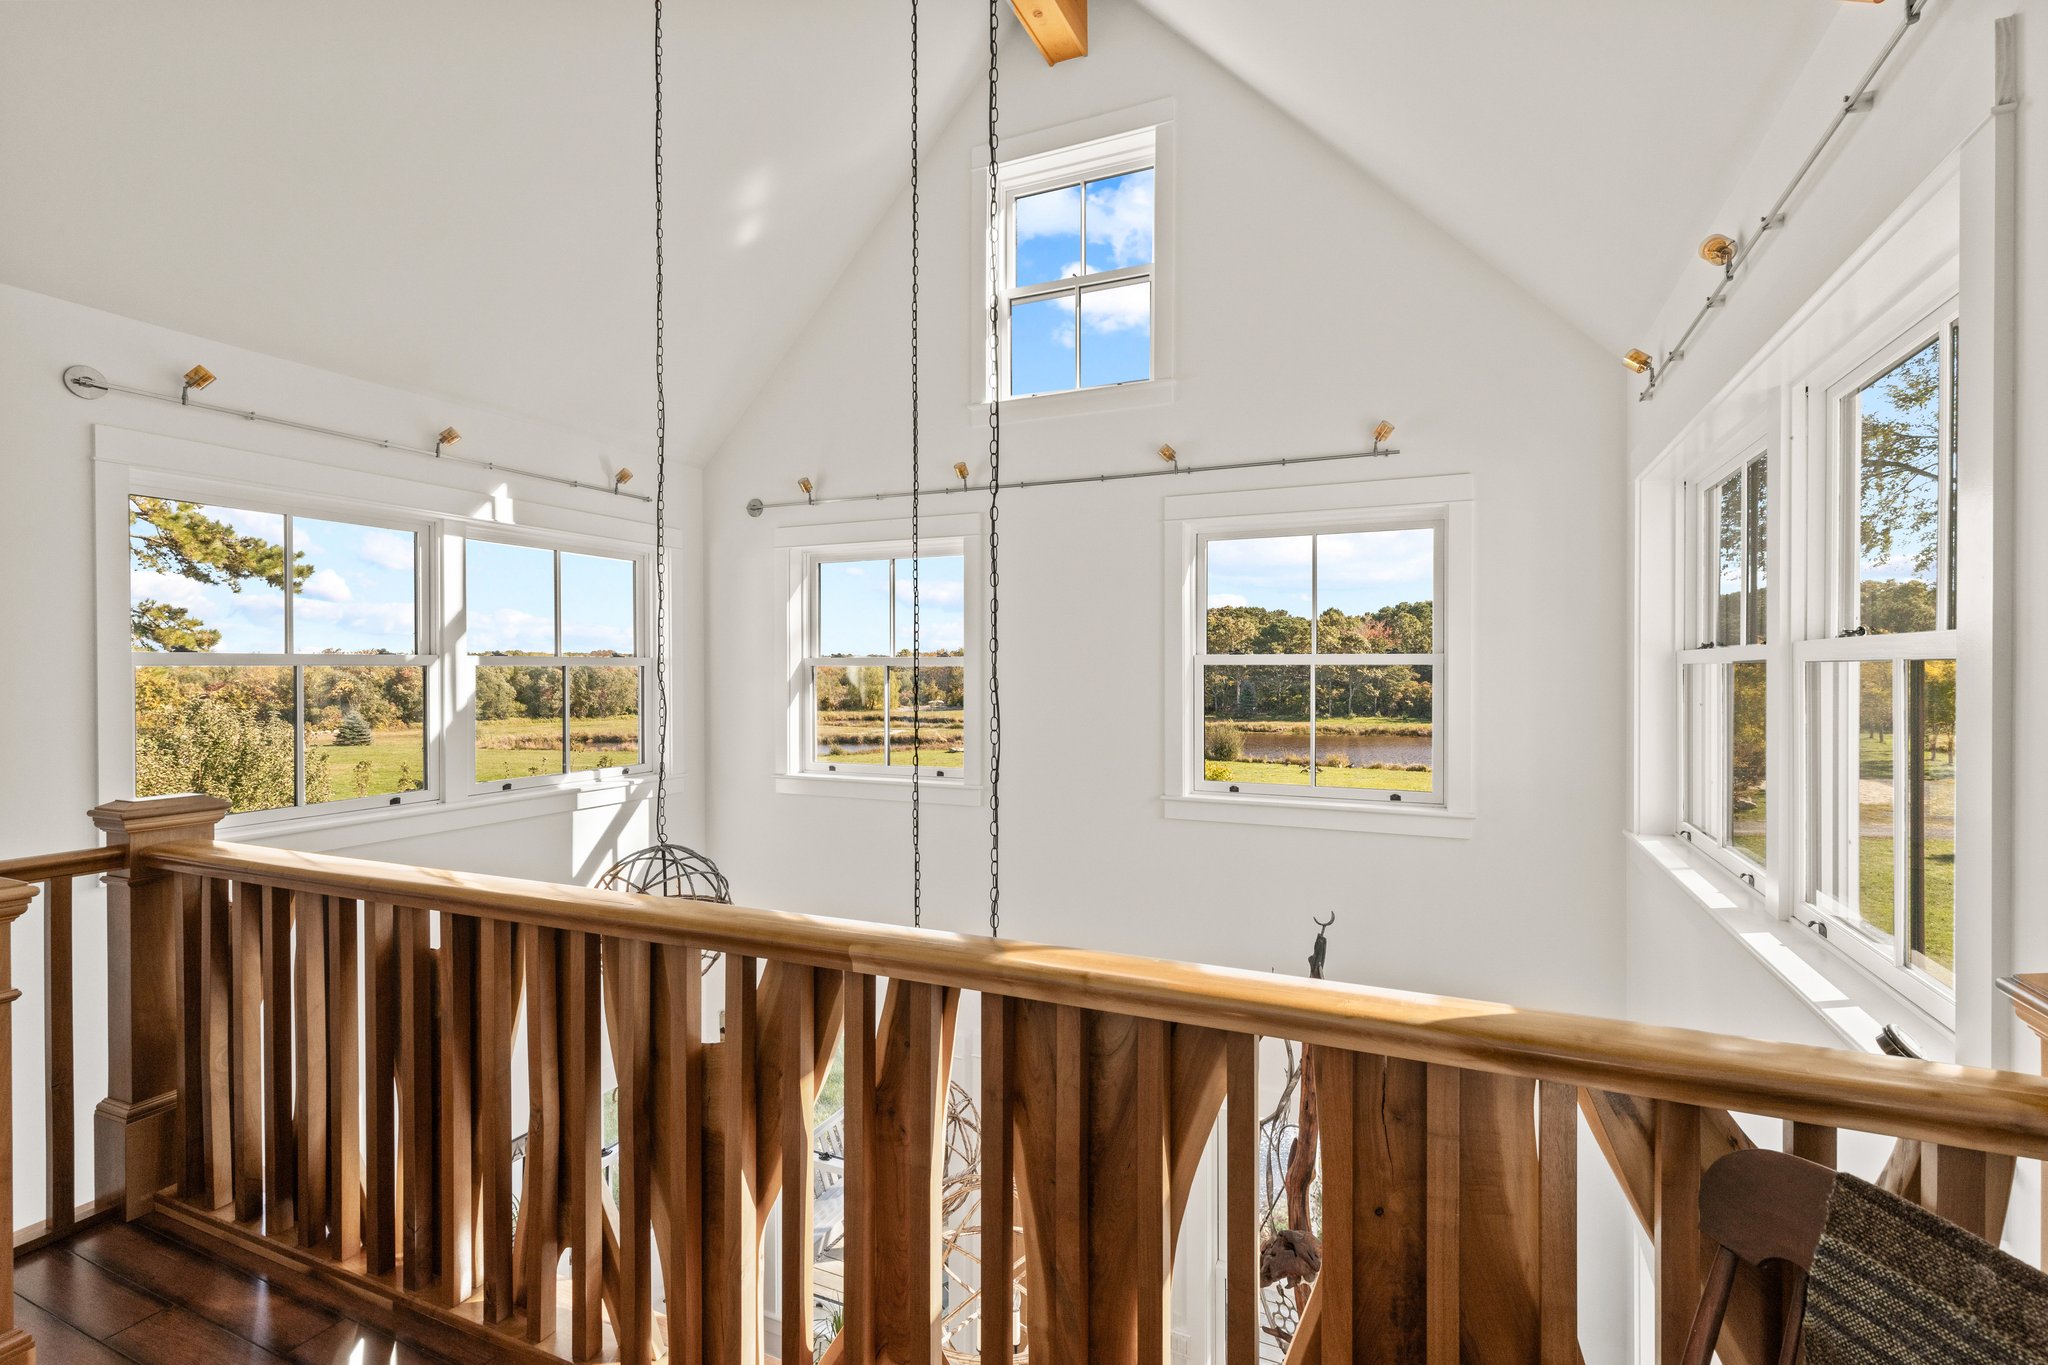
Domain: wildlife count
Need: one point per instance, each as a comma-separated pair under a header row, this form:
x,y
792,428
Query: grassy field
x,y
1296,775
394,761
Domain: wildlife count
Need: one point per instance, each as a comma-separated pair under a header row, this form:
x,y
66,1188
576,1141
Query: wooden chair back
x,y
1758,1206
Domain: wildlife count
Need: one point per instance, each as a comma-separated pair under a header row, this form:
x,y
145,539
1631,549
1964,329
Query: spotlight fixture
x,y
1637,360
198,377
622,478
448,437
1718,249
1381,433
960,468
1168,454
805,485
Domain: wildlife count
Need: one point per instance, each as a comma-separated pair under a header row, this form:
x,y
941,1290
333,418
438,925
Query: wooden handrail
x,y
44,867
1960,1106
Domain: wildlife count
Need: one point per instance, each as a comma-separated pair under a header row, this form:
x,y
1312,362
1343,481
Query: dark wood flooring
x,y
119,1293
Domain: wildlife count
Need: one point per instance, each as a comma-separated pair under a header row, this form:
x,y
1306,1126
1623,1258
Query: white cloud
x,y
388,550
1055,214
1121,309
1228,599
1120,222
325,585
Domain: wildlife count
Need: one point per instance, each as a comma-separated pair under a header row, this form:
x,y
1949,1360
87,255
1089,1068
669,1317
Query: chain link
x,y
995,478
916,542
660,478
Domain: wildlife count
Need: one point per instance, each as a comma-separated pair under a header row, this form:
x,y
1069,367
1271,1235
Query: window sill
x,y
939,793
361,828
1358,817
1850,1001
1144,393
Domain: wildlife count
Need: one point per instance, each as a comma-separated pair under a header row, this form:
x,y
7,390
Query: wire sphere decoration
x,y
669,870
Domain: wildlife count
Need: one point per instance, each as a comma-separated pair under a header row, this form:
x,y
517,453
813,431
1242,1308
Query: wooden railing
x,y
342,1036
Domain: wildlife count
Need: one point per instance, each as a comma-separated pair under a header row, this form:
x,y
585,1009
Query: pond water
x,y
1359,750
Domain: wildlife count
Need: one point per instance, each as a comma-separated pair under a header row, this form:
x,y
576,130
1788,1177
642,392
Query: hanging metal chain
x,y
916,541
660,480
995,479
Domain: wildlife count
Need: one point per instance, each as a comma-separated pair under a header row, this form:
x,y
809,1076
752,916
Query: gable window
x,y
1880,688
277,659
867,713
1317,667
1079,270
560,674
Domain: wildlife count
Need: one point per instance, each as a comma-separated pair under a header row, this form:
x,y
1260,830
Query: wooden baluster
x,y
344,1103
312,1039
245,1042
1557,1129
1241,1203
582,1104
678,1013
539,1235
418,1103
858,1331
998,1187
60,1135
1151,1246
16,1346
798,1102
1811,1142
202,1071
497,1013
1443,1240
380,1081
735,1265
280,1131
913,1059
1336,1083
628,993
1676,1225
1955,1183
135,1144
456,989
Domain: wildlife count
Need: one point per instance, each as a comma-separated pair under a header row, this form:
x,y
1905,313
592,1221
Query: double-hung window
x,y
1318,662
1724,679
867,712
1880,685
561,678
278,659
1078,270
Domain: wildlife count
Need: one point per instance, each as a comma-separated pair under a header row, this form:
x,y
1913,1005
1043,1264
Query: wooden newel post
x,y
135,1143
15,1344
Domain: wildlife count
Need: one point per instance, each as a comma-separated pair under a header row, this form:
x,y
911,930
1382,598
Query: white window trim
x,y
805,547
1046,158
1443,500
128,462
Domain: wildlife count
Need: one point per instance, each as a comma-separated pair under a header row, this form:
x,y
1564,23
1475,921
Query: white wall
x,y
1310,303
47,690
1681,968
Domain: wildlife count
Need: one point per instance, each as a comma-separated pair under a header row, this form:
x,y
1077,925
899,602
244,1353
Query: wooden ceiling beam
x,y
1059,27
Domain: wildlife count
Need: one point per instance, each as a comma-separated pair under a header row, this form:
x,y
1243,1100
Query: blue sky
x,y
1356,572
853,606
359,597
1110,341
512,601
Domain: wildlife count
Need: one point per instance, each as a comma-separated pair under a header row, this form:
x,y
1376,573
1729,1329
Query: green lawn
x,y
1296,775
394,760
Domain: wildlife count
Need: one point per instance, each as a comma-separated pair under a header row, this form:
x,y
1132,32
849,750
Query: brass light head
x,y
1381,432
448,437
1168,454
622,478
198,377
1718,249
960,468
805,485
1637,360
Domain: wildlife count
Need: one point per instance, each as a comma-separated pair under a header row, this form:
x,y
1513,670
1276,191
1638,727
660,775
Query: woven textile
x,y
1892,1284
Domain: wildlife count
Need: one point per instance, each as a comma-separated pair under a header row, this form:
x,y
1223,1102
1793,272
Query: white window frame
x,y
133,463
800,771
425,656
1704,715
1443,502
467,664
1833,604
1090,149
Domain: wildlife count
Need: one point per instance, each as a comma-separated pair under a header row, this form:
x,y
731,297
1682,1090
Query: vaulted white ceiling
x,y
453,196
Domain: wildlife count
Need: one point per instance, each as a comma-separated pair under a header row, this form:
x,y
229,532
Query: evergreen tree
x,y
353,730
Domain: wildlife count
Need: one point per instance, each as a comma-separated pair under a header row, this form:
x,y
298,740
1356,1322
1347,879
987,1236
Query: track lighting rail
x,y
757,506
1856,102
83,381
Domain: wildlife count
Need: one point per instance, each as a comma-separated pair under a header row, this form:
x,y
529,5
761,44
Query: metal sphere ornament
x,y
669,870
